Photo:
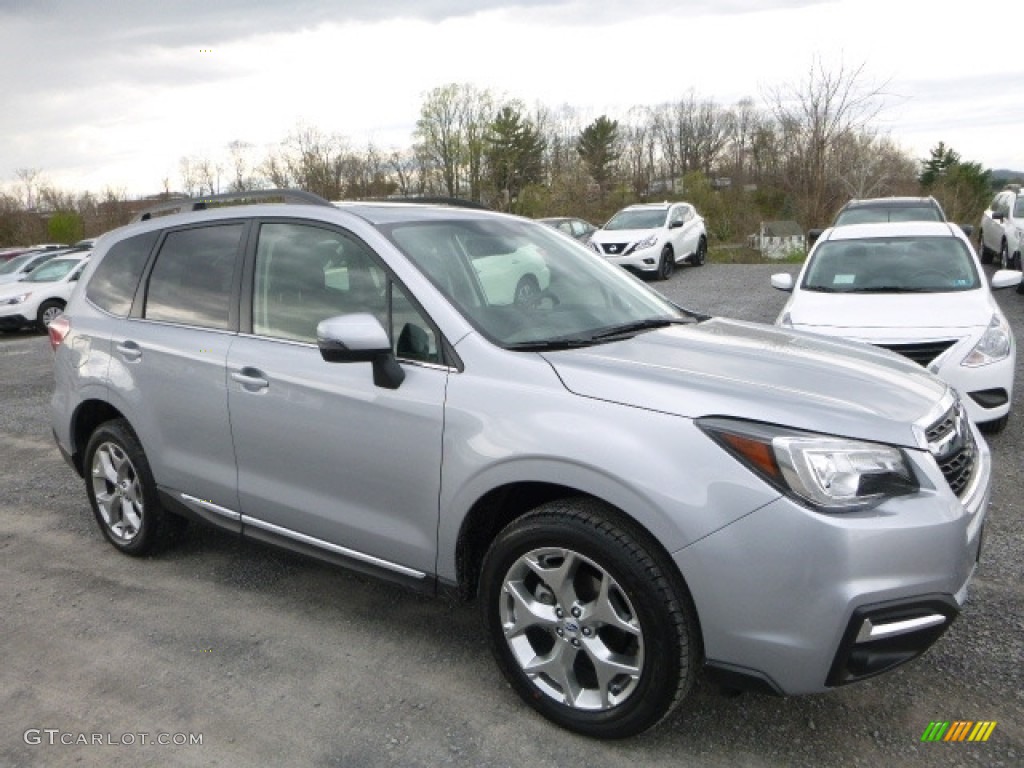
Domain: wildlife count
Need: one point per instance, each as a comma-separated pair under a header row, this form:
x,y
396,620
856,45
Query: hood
x,y
758,372
624,235
15,287
915,316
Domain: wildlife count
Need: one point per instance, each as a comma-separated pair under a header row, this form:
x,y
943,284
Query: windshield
x,y
523,285
15,264
52,271
874,214
892,265
638,218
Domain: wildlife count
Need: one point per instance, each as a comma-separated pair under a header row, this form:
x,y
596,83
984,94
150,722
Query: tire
x,y
624,597
123,494
995,426
1004,256
526,291
700,256
984,252
47,311
666,264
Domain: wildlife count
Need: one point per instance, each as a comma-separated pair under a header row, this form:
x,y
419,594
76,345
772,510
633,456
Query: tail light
x,y
58,329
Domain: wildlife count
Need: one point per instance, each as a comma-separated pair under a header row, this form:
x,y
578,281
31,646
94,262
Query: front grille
x,y
923,352
614,249
951,442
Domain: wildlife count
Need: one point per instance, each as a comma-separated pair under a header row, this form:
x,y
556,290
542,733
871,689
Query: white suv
x,y
653,238
1002,229
42,294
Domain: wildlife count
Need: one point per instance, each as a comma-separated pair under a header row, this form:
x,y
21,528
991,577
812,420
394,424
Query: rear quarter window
x,y
113,284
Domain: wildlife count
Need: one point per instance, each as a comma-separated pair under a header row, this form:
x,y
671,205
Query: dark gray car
x,y
635,494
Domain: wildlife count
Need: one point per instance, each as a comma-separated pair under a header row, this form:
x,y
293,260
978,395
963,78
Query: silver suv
x,y
635,494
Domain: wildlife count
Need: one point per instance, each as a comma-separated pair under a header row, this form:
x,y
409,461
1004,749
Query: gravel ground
x,y
276,660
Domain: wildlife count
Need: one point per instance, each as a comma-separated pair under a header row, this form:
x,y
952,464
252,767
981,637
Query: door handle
x,y
130,351
251,379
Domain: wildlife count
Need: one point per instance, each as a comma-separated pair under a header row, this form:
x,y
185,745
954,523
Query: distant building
x,y
777,239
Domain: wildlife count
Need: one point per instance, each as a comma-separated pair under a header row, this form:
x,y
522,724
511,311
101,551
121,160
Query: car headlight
x,y
993,346
828,474
647,242
21,297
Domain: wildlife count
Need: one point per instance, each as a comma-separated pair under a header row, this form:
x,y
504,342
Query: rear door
x,y
168,358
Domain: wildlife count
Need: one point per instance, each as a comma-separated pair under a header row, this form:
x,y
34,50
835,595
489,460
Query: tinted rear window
x,y
112,286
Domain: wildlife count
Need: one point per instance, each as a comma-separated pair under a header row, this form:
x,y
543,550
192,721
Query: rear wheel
x,y
667,263
123,494
588,620
527,290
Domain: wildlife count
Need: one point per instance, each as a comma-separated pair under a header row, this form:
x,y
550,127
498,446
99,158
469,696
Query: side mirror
x,y
1006,278
675,224
968,229
783,281
998,215
360,338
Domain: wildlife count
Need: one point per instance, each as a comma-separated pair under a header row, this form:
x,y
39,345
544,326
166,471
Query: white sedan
x,y
917,289
42,294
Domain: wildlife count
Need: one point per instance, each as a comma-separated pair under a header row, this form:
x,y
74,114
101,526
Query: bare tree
x,y
815,116
29,178
242,175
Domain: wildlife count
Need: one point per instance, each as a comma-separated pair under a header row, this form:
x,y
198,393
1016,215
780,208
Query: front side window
x,y
306,274
192,279
892,265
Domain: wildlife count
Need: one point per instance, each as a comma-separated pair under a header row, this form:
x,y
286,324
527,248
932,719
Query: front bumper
x,y
13,321
794,601
645,260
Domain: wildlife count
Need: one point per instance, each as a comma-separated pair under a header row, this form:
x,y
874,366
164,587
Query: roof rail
x,y
182,205
454,202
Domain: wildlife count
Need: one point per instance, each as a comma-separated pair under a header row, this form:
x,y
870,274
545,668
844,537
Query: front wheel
x,y
1004,256
48,311
123,494
984,252
588,620
667,263
700,256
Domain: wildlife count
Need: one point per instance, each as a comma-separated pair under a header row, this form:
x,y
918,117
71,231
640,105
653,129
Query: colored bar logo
x,y
958,730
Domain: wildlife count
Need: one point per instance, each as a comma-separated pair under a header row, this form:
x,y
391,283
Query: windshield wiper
x,y
890,289
639,325
550,345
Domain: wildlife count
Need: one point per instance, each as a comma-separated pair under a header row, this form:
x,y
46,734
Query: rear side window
x,y
192,278
113,284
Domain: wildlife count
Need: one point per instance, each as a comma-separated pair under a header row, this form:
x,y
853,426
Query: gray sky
x,y
101,93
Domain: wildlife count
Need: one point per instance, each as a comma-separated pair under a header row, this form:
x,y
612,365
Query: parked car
x,y
881,209
653,238
580,229
15,269
620,483
1002,229
41,294
916,289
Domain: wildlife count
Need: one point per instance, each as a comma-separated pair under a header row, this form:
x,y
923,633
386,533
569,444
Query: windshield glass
x,y
522,284
638,218
15,264
873,215
51,271
892,265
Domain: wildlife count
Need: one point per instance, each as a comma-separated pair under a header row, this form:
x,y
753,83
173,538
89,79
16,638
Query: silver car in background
x,y
635,494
